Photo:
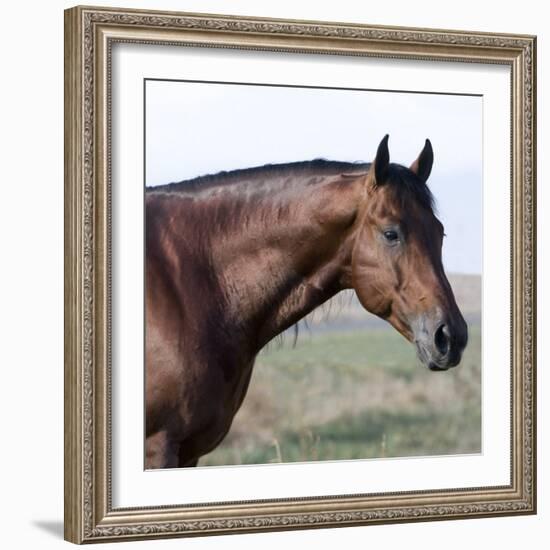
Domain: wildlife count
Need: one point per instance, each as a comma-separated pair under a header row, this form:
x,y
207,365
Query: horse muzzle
x,y
440,341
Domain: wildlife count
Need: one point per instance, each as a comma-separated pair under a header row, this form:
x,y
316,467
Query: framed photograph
x,y
300,274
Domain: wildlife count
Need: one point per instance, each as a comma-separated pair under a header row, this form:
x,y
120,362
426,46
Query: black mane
x,y
233,176
406,182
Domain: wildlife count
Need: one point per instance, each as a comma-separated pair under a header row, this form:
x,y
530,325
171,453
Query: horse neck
x,y
287,255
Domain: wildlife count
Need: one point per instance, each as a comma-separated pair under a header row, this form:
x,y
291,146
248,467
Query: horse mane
x,y
406,183
225,178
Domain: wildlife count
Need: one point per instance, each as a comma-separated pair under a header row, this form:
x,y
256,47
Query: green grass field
x,y
355,393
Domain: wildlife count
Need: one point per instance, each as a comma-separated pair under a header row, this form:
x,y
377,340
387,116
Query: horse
x,y
236,258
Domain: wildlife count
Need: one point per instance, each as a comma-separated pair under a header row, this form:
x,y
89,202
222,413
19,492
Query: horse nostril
x,y
442,339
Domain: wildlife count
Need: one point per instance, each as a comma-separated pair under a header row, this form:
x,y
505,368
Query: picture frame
x,y
90,35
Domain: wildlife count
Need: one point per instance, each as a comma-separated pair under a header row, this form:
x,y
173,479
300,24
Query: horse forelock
x,y
408,186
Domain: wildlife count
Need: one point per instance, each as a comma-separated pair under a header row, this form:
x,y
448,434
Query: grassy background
x,y
352,387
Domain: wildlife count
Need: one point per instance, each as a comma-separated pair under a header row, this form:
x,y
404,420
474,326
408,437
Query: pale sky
x,y
194,129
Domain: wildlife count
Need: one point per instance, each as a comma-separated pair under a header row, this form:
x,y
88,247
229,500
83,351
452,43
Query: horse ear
x,y
381,160
422,166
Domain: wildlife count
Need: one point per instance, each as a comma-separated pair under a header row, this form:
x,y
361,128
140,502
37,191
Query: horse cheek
x,y
365,279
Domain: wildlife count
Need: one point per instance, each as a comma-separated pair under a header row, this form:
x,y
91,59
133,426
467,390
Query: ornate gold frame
x,y
89,34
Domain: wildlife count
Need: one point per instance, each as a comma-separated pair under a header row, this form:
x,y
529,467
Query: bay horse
x,y
236,258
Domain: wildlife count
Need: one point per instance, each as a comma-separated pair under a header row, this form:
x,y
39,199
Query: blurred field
x,y
352,387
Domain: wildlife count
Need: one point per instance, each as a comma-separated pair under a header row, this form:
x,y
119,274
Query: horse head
x,y
397,270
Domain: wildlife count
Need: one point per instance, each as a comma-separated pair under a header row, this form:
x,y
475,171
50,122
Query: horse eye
x,y
391,235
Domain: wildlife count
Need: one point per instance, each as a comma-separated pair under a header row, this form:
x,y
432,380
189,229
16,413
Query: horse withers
x,y
234,259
